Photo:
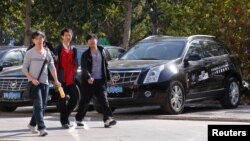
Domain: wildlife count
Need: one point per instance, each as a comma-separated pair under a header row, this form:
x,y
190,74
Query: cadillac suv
x,y
170,71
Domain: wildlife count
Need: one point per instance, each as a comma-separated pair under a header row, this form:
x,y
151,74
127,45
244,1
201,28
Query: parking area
x,y
142,123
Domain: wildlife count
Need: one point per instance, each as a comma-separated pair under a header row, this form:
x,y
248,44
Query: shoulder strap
x,y
44,62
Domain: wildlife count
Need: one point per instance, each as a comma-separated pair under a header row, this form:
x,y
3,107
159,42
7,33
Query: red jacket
x,y
66,66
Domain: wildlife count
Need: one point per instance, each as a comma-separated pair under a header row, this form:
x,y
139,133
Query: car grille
x,y
126,94
125,78
13,84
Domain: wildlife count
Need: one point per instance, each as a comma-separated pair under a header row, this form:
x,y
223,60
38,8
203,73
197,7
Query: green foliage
x,y
11,19
226,19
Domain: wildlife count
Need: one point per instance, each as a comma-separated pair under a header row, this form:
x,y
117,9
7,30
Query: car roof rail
x,y
201,36
156,36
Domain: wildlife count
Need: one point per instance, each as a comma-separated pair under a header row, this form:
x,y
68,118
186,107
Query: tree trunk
x,y
127,23
27,36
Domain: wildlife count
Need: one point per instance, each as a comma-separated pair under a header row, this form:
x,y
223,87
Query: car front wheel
x,y
175,99
231,97
8,109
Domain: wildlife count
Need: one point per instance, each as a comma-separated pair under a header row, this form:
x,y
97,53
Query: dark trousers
x,y
66,105
39,106
98,90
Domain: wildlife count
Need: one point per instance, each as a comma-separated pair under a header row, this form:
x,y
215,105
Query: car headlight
x,y
153,74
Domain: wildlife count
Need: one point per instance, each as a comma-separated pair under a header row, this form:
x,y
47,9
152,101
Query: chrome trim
x,y
126,71
209,91
5,83
133,78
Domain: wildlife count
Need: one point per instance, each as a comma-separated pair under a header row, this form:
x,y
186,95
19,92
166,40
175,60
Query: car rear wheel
x,y
231,97
8,109
175,99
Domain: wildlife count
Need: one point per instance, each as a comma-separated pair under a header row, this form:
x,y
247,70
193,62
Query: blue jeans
x,y
39,106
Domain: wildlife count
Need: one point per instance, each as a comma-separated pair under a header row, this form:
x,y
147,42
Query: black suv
x,y
170,71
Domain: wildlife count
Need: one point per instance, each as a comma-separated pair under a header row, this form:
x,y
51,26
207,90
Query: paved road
x,y
134,124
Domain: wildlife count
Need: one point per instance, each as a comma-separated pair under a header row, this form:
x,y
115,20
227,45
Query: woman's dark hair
x,y
37,33
90,36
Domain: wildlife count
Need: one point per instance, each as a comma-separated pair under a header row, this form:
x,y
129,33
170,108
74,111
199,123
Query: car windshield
x,y
2,52
163,50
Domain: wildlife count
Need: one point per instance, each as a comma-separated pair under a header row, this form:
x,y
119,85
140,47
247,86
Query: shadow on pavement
x,y
16,133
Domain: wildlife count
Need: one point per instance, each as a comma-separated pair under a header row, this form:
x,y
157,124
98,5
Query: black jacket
x,y
86,65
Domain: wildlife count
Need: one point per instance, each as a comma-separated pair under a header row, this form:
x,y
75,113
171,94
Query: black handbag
x,y
31,88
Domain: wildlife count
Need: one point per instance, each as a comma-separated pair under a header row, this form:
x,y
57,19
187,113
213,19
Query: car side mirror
x,y
194,57
7,64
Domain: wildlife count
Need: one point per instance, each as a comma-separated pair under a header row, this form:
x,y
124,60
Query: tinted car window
x,y
162,50
196,48
115,52
214,49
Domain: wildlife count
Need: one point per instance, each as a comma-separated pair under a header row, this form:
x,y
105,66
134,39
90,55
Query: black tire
x,y
231,97
8,109
175,99
98,109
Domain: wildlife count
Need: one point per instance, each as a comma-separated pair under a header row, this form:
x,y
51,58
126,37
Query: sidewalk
x,y
240,114
200,113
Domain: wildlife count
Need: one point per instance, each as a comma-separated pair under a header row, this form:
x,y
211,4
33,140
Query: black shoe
x,y
79,123
66,126
109,122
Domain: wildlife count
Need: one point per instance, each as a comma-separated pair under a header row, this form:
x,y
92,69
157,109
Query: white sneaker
x,y
109,122
43,132
32,129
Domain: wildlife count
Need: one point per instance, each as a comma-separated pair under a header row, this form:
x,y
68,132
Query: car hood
x,y
135,64
13,71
